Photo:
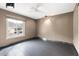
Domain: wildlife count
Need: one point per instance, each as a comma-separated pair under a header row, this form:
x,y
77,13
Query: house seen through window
x,y
15,28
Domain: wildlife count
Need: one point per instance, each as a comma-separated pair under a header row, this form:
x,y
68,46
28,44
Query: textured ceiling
x,y
39,10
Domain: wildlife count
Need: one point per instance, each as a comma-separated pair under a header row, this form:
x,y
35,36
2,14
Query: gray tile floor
x,y
38,47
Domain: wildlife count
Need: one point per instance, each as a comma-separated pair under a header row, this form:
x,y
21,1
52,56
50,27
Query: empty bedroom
x,y
39,29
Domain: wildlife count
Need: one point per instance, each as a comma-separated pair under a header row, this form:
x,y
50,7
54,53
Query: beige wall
x,y
57,28
62,27
75,28
30,27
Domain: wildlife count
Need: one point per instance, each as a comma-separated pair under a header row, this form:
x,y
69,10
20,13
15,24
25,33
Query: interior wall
x,y
30,27
57,28
75,28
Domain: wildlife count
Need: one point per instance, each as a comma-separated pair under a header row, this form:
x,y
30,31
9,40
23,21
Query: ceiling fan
x,y
36,7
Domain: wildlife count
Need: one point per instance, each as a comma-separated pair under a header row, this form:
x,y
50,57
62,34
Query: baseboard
x,y
76,50
57,41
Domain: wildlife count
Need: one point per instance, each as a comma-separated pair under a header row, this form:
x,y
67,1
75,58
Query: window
x,y
14,28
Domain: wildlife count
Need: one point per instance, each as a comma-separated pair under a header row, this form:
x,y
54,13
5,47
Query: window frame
x,y
16,36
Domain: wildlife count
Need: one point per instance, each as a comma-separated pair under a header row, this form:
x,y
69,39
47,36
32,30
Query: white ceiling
x,y
39,10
